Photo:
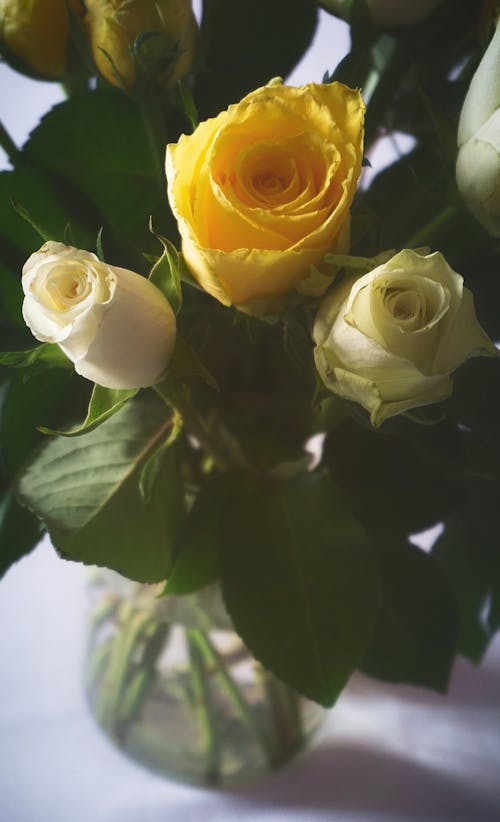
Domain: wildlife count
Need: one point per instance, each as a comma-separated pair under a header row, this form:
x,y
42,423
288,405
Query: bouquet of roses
x,y
253,371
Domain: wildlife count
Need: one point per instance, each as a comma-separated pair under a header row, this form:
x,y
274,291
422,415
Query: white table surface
x,y
386,753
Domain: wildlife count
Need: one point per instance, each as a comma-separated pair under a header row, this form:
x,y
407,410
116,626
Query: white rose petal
x,y
478,160
478,174
390,339
116,327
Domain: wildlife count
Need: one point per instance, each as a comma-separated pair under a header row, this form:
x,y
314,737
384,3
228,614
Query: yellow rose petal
x,y
263,192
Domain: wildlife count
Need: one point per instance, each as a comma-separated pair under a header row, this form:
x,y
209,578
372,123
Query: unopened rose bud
x,y
34,35
388,12
478,161
114,325
134,40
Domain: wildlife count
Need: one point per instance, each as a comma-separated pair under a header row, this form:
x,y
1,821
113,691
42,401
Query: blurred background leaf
x,y
263,39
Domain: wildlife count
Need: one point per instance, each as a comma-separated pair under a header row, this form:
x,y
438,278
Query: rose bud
x,y
34,35
114,325
478,161
262,192
390,339
166,52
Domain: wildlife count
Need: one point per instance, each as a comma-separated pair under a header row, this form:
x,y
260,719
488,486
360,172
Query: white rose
x,y
478,161
116,327
390,339
388,12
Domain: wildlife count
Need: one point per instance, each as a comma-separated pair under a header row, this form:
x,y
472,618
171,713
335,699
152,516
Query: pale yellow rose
x,y
262,191
478,160
390,339
114,25
114,325
36,32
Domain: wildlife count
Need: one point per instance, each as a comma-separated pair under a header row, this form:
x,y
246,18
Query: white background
x,y
387,753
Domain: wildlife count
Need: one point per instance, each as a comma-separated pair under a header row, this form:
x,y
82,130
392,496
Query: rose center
x,y
266,176
66,288
403,305
268,182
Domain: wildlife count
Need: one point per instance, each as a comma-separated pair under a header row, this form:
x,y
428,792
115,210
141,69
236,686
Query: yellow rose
x,y
36,32
262,191
390,339
114,25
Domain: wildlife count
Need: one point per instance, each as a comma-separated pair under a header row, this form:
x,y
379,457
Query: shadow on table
x,y
470,686
339,778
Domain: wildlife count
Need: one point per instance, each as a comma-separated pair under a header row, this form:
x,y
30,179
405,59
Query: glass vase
x,y
174,686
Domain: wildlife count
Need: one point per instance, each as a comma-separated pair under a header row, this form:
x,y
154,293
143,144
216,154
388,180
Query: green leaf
x,y
416,207
98,245
481,276
352,69
358,14
245,35
48,397
104,402
48,202
197,563
23,212
401,483
469,554
300,582
185,364
152,467
188,104
48,354
475,405
494,613
444,127
19,531
97,144
475,402
415,639
87,492
13,330
165,273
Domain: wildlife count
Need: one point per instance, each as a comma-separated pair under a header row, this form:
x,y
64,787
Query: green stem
x,y
205,707
387,81
225,457
74,86
427,234
103,612
129,634
97,663
154,123
142,678
8,145
212,657
284,715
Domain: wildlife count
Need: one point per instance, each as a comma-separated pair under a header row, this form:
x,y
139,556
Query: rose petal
x,y
229,205
464,339
239,276
135,338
